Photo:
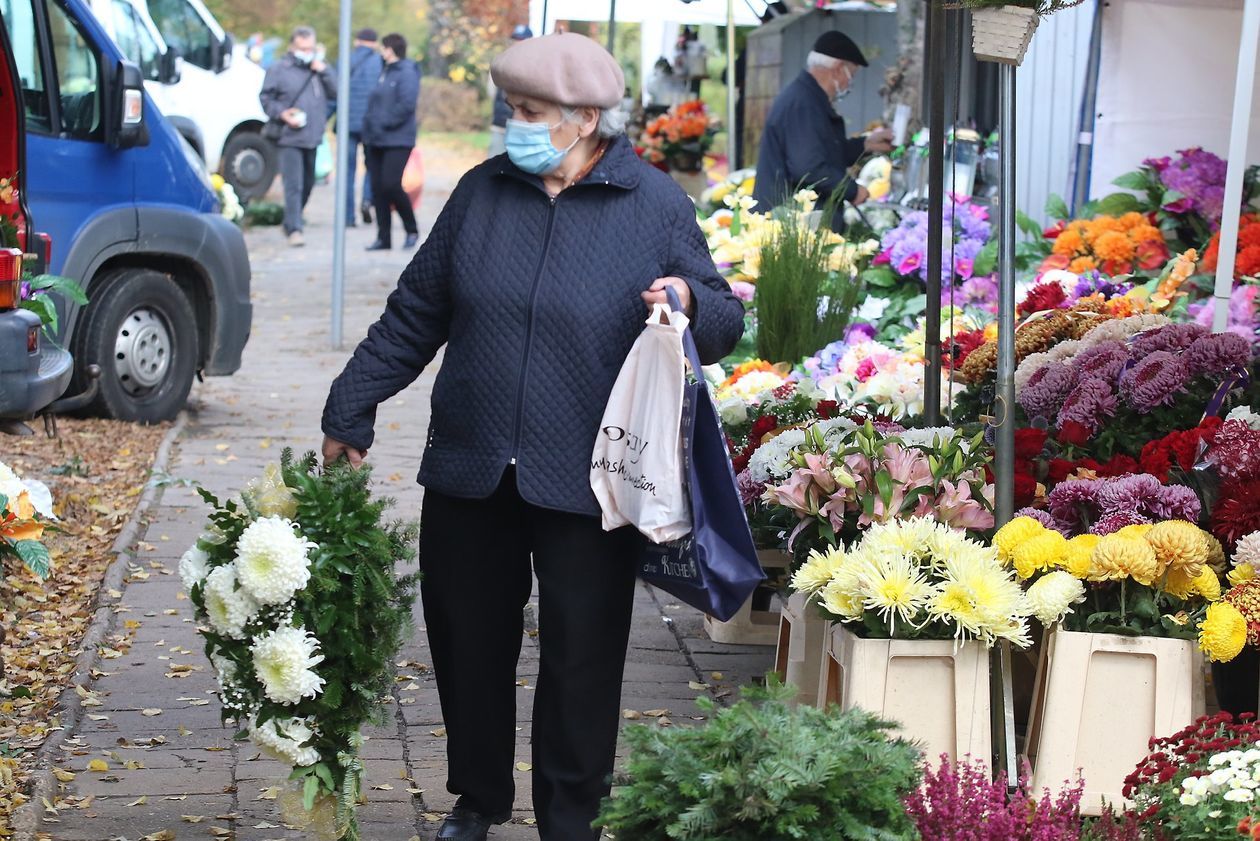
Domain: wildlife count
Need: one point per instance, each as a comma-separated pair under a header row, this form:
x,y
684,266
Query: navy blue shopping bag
x,y
715,568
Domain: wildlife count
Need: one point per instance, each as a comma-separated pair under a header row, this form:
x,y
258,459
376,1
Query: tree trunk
x,y
903,82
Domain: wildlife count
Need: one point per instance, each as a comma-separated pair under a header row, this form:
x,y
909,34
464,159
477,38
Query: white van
x,y
201,81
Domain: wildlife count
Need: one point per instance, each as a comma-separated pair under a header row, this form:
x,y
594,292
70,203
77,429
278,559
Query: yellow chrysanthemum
x,y
1078,560
1223,632
1041,551
1216,553
817,571
1180,546
1178,583
1116,557
1013,534
1208,585
1135,530
840,601
1240,573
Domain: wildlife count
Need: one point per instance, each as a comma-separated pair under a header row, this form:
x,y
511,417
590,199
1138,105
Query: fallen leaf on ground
x,y
100,766
139,801
151,711
524,766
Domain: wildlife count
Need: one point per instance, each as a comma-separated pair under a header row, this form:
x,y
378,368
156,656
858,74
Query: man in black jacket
x,y
296,92
389,133
805,143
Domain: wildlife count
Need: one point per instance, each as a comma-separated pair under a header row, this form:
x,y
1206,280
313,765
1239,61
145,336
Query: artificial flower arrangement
x,y
1113,245
1142,579
302,612
837,478
1202,783
1117,395
25,513
1120,296
917,578
1247,261
1233,456
680,137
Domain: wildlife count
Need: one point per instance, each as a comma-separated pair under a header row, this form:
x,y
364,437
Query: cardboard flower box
x,y
1098,701
938,690
1002,33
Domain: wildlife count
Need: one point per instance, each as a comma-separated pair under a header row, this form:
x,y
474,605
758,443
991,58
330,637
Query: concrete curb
x,y
26,818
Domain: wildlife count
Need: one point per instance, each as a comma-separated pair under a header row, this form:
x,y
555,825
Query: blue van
x,y
131,214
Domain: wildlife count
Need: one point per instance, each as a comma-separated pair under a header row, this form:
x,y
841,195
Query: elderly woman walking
x,y
535,278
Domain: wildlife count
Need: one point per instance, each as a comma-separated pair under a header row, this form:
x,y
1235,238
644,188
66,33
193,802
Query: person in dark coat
x,y
365,69
805,143
535,278
502,111
297,91
389,134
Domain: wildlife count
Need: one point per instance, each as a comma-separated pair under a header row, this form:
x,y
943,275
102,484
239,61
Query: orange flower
x,y
1132,219
1147,232
20,523
746,368
1081,265
1111,245
1069,242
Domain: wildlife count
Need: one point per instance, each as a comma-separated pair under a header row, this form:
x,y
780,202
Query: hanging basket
x,y
1002,33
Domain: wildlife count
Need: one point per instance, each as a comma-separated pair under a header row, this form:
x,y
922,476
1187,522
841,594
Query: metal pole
x,y
612,26
1243,89
731,127
542,30
935,68
1089,115
1004,466
342,189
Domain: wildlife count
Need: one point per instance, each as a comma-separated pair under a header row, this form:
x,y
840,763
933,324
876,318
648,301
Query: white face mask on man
x,y
304,56
842,88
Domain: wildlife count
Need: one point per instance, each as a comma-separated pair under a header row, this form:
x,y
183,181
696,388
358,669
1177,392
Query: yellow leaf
x,y
222,447
383,787
133,764
164,835
98,765
193,818
64,776
524,766
439,732
139,801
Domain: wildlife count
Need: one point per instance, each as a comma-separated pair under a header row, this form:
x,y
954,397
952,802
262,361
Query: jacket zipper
x,y
529,331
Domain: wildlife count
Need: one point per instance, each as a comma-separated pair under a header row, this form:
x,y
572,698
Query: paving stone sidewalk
x,y
151,713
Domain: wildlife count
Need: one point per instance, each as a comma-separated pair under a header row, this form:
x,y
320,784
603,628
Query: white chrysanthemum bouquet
x,y
300,552
918,578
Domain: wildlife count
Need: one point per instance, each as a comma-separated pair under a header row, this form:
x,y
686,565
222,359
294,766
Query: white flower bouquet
x,y
299,553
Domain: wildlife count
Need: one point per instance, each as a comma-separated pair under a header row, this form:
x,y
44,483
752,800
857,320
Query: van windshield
x,y
183,28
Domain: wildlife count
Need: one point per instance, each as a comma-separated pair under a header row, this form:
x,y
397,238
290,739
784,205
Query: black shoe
x,y
350,223
365,210
464,825
379,246
411,240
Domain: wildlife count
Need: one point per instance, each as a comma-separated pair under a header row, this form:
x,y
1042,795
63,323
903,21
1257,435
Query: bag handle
x,y
689,342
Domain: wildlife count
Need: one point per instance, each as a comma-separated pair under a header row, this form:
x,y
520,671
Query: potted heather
x,y
1002,29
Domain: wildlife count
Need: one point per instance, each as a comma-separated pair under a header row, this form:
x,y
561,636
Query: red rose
x,y
1074,433
827,409
762,427
1119,465
1029,442
1060,469
1025,490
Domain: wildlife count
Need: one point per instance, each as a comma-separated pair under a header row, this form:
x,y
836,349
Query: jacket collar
x,y
620,167
807,83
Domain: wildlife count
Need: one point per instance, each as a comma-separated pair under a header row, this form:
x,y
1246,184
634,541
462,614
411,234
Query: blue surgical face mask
x,y
529,146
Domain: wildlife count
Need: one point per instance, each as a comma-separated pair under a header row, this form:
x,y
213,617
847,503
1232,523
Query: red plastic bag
x,y
413,177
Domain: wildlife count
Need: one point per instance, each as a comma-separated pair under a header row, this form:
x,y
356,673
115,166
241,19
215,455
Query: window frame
x,y
43,54
188,14
98,135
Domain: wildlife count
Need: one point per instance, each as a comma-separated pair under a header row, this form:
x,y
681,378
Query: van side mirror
x,y
170,66
126,127
223,53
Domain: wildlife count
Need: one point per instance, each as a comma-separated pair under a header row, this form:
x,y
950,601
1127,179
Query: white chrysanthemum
x,y
933,436
1051,597
227,607
194,566
1244,414
285,741
271,560
284,661
817,571
1247,551
772,461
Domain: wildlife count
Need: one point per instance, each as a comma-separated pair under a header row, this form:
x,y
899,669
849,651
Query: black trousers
x,y
475,556
385,166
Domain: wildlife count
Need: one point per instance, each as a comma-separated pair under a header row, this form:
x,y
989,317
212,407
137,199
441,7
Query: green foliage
x,y
264,213
356,603
764,770
43,306
801,304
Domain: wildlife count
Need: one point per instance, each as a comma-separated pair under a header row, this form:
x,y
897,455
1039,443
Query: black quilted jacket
x,y
537,301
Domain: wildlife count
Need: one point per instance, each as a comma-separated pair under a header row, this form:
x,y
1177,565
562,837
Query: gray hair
x,y
817,61
301,32
612,121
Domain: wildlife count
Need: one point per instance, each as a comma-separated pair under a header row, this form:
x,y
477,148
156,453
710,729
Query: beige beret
x,y
564,68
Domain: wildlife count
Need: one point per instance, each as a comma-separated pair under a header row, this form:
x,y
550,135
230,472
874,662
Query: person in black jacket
x,y
535,278
502,112
365,70
805,143
389,135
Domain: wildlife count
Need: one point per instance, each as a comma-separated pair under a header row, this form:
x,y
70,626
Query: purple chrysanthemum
x,y
1046,390
1074,503
1040,516
1155,380
1111,523
1128,493
1175,502
1216,354
1104,360
1090,402
1171,337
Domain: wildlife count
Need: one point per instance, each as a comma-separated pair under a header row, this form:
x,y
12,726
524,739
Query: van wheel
x,y
141,330
249,165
